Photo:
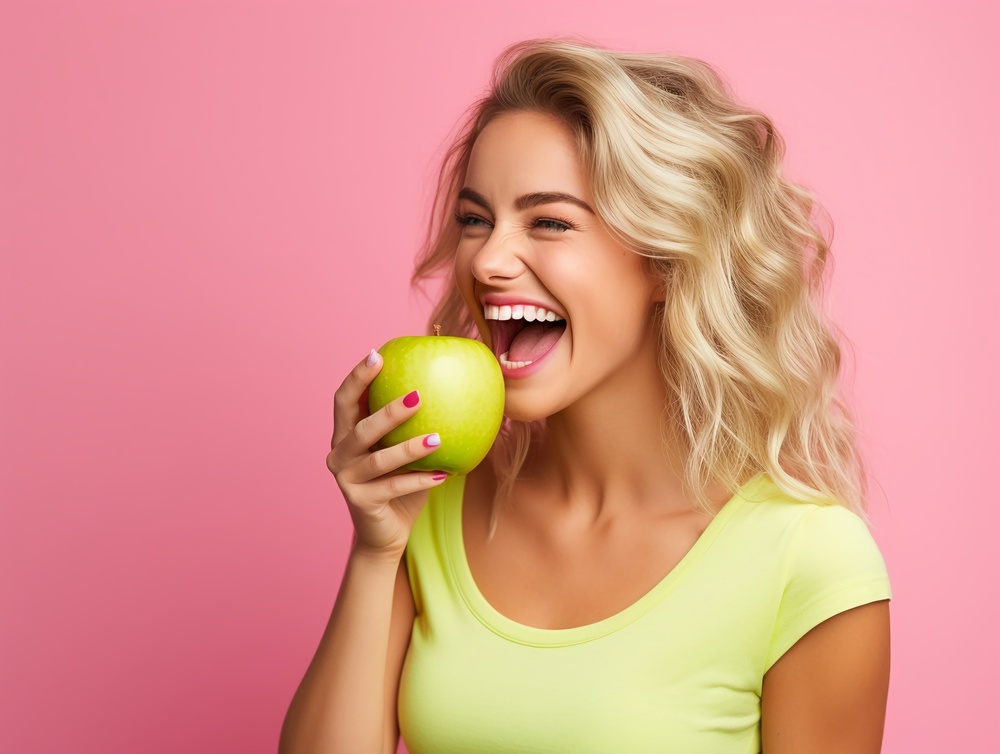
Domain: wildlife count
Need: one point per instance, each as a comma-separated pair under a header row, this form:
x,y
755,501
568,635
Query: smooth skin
x,y
347,700
827,694
600,515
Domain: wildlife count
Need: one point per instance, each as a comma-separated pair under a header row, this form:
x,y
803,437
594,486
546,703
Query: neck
x,y
607,451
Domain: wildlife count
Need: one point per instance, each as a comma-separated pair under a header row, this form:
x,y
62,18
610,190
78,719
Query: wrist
x,y
361,552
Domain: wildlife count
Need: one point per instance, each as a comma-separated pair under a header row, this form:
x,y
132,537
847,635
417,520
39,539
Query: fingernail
x,y
411,399
432,441
439,475
372,358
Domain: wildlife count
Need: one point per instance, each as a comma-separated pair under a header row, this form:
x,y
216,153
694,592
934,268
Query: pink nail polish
x,y
411,399
372,358
432,441
439,475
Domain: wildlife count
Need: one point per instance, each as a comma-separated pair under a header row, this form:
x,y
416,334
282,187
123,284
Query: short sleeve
x,y
833,565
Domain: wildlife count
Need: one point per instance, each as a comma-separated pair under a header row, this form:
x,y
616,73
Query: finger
x,y
400,485
347,407
371,429
384,462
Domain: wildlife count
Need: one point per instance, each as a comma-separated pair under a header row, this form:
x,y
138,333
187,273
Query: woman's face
x,y
530,239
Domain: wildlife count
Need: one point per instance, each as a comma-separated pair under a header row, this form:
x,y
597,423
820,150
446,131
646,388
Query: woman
x,y
665,552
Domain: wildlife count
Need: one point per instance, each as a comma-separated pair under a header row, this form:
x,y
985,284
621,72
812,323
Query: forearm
x,y
340,704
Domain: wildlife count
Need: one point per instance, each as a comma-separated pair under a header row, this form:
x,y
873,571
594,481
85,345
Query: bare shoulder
x,y
828,692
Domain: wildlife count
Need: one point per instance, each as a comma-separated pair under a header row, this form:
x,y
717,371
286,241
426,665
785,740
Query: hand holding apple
x,y
383,505
461,397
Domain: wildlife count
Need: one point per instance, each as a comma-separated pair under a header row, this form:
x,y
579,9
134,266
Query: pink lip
x,y
498,299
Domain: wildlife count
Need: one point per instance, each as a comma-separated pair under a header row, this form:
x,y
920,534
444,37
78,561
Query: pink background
x,y
207,216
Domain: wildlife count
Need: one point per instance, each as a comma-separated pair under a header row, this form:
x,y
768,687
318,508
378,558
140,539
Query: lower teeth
x,y
512,364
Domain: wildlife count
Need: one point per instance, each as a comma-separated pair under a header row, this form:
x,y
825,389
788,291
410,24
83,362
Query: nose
x,y
501,257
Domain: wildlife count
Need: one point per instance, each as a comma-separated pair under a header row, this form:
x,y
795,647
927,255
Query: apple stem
x,y
437,329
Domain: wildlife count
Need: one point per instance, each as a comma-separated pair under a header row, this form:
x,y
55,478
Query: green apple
x,y
461,397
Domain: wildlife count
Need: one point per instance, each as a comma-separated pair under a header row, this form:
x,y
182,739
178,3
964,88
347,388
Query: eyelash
x,y
471,220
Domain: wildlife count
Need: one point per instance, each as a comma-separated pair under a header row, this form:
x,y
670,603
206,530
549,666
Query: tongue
x,y
534,341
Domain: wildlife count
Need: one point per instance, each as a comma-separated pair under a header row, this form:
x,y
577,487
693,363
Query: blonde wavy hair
x,y
691,179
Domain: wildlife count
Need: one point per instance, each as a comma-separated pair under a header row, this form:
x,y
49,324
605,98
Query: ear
x,y
659,291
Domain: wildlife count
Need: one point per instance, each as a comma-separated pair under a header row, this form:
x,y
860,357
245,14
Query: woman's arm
x,y
347,699
828,692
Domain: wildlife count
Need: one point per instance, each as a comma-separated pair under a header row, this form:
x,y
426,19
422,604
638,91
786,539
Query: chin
x,y
522,416
528,411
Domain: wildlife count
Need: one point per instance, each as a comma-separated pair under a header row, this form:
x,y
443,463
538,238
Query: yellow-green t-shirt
x,y
678,671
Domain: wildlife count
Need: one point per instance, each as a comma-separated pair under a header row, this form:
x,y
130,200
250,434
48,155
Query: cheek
x,y
616,310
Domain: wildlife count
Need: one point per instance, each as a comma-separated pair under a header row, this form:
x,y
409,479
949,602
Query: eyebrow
x,y
527,201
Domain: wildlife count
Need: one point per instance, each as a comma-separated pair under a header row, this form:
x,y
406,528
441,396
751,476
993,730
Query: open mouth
x,y
523,334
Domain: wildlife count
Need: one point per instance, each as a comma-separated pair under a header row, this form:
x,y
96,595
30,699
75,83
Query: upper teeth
x,y
526,312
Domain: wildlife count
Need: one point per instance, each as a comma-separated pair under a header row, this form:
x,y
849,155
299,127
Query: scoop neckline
x,y
556,637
